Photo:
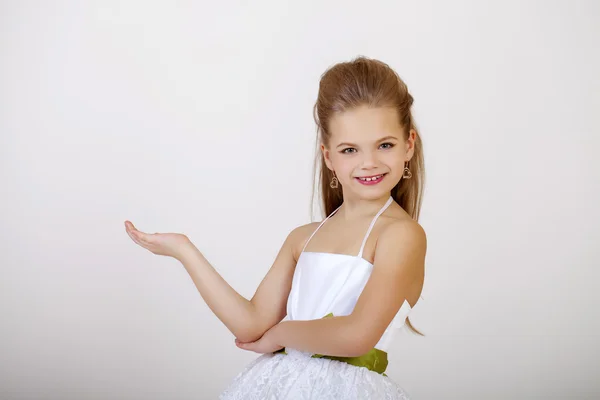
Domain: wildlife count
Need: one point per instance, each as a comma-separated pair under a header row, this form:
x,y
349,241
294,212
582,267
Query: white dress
x,y
323,283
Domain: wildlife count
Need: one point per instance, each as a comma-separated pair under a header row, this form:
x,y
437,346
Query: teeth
x,y
371,179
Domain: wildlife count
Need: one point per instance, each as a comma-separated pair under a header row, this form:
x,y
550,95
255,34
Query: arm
x,y
398,267
248,320
270,299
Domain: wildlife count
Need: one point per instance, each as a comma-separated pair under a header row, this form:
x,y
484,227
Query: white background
x,y
196,117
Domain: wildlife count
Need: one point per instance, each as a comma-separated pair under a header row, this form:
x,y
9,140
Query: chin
x,y
373,194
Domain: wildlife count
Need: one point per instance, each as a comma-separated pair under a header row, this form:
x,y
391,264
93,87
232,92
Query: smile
x,y
371,180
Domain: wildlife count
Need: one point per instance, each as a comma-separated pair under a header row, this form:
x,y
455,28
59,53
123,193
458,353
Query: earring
x,y
407,174
334,181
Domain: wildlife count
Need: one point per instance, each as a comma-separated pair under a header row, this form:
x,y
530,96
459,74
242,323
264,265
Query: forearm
x,y
237,313
335,336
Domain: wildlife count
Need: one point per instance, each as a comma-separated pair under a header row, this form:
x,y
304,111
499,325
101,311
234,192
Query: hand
x,y
162,244
265,344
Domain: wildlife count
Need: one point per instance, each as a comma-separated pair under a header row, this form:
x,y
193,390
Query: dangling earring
x,y
334,181
407,174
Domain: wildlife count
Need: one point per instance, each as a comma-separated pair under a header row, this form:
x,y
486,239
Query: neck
x,y
356,208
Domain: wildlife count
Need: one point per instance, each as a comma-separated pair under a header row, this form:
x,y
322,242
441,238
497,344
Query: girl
x,y
325,313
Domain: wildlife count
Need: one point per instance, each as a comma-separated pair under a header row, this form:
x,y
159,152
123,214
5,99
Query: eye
x,y
389,145
345,151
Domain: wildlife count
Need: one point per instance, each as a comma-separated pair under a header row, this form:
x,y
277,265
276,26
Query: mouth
x,y
370,180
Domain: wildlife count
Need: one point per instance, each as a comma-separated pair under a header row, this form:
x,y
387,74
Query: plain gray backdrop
x,y
196,117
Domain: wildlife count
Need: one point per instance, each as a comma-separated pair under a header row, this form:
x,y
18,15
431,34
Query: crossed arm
x,y
398,267
256,323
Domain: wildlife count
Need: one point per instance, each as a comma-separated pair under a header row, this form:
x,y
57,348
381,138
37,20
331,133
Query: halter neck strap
x,y
385,206
319,227
362,247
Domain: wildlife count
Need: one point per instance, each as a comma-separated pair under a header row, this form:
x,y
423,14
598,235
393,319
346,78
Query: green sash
x,y
375,360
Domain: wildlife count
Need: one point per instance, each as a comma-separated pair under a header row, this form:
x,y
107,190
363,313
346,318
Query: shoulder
x,y
299,235
303,231
402,241
403,230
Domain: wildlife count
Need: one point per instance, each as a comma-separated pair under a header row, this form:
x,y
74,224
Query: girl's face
x,y
368,143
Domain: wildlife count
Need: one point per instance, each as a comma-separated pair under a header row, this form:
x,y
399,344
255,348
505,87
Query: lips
x,y
370,180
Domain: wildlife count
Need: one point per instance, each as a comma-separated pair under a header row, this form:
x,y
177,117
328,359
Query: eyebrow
x,y
380,140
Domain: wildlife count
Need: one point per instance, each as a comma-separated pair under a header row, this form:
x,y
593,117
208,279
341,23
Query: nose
x,y
369,160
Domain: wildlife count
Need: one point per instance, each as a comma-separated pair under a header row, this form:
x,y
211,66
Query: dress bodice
x,y
325,283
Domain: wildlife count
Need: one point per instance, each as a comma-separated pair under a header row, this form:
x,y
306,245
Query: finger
x,y
135,239
134,233
129,226
146,238
130,234
132,228
137,233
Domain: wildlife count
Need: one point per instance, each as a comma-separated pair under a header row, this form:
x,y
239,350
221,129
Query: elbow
x,y
360,343
247,337
358,347
249,334
252,330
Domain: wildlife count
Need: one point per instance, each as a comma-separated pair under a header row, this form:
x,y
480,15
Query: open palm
x,y
163,244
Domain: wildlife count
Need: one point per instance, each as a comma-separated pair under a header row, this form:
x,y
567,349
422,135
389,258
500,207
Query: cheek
x,y
394,159
343,165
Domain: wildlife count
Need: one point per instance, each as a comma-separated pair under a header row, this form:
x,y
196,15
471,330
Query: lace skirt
x,y
297,375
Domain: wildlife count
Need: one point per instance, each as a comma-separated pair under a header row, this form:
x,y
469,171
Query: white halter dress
x,y
323,284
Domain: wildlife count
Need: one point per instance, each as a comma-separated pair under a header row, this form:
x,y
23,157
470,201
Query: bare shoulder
x,y
402,239
400,253
405,231
299,235
399,226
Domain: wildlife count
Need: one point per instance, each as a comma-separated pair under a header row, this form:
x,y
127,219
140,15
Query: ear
x,y
410,144
326,156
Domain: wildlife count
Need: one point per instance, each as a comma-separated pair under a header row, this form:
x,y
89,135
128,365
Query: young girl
x,y
325,314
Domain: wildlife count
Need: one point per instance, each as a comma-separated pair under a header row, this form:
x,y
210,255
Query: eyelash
x,y
348,148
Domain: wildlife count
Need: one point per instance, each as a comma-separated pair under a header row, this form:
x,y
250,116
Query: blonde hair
x,y
370,82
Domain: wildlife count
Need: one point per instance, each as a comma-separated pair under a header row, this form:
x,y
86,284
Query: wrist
x,y
187,252
277,333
